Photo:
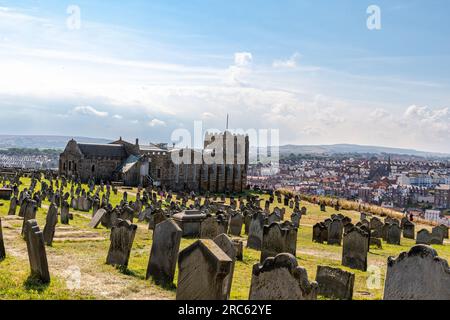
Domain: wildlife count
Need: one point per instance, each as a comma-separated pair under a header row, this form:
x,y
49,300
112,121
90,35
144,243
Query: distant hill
x,y
60,142
353,148
286,150
42,142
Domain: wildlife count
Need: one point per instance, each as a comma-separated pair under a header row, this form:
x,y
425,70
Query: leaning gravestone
x,y
227,246
417,275
50,224
355,248
280,278
255,233
122,237
164,252
2,244
278,238
203,270
97,218
335,283
36,252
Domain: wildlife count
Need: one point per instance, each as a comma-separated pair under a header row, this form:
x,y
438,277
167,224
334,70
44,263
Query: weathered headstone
x,y
335,283
409,230
209,228
97,218
278,238
355,248
29,214
164,252
36,252
423,237
236,222
417,275
227,246
50,224
377,226
394,234
295,219
320,233
239,246
255,233
280,278
13,206
203,270
122,237
335,231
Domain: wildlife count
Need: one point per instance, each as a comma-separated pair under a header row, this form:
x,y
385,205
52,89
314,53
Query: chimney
x,y
137,142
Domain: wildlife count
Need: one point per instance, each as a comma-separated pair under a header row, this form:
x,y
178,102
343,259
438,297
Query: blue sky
x,y
311,69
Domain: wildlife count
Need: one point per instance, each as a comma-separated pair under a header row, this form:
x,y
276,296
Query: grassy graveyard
x,y
78,247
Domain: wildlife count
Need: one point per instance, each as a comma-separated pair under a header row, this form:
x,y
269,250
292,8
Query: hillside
x,y
42,142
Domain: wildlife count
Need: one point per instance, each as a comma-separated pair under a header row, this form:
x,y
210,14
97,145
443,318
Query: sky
x,y
313,70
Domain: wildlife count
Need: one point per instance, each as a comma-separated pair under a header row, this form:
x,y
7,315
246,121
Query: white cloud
x,y
118,117
243,59
240,69
89,111
156,123
289,63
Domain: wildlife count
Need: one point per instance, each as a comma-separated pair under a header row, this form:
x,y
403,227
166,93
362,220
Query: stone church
x,y
221,166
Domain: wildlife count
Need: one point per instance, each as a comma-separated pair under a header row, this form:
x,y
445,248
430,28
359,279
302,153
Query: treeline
x,y
29,152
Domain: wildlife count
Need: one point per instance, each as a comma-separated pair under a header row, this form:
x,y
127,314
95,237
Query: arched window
x,y
64,166
93,168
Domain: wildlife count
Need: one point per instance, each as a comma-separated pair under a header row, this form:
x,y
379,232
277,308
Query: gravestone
x,y
2,244
29,214
320,233
278,238
247,222
236,222
335,283
239,246
423,237
409,230
164,252
295,219
13,206
65,214
122,237
255,233
50,224
280,278
227,246
36,252
437,236
209,228
335,231
97,218
377,226
445,230
417,275
203,271
355,248
394,234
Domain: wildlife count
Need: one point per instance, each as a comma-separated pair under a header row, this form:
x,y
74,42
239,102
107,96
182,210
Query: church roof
x,y
102,150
